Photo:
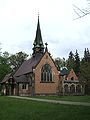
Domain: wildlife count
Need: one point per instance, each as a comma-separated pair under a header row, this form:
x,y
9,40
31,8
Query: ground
x,y
17,109
66,98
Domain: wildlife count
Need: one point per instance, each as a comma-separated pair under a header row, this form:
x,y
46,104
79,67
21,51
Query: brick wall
x,y
72,74
46,88
24,91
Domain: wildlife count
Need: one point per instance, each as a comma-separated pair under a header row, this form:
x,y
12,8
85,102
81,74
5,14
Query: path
x,y
53,101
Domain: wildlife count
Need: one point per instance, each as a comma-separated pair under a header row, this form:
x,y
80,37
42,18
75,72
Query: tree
x,y
17,59
4,67
86,55
71,61
60,63
85,71
77,63
6,55
9,63
0,49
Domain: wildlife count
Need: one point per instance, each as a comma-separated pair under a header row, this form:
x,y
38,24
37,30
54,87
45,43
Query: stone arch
x,y
78,88
72,88
66,90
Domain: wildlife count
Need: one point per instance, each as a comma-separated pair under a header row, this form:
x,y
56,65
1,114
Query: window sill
x,y
47,82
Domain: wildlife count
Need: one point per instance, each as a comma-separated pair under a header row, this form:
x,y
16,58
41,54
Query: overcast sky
x,y
18,22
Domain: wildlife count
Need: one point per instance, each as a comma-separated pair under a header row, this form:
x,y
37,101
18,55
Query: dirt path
x,y
53,101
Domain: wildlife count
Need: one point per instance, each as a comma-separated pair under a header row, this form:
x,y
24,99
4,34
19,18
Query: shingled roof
x,y
64,71
28,65
22,78
6,78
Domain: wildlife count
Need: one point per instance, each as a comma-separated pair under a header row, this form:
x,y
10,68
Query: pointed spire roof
x,y
38,43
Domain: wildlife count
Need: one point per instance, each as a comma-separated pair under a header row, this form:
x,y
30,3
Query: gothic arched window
x,y
46,73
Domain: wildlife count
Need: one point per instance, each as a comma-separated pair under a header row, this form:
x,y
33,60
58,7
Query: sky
x,y
18,22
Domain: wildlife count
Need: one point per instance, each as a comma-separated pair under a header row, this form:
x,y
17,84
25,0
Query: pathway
x,y
53,101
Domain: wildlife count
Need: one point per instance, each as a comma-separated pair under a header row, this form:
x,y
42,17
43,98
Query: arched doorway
x,y
72,89
78,89
66,89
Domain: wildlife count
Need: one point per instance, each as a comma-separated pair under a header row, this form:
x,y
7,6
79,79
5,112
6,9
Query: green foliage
x,y
7,62
86,55
71,61
77,63
85,71
15,109
17,59
0,49
85,76
60,63
4,67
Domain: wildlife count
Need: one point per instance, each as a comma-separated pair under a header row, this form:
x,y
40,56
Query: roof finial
x,y
46,46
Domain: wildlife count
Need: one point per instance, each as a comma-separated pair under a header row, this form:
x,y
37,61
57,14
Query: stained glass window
x,y
46,73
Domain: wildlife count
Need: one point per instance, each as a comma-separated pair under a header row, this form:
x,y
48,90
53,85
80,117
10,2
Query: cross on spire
x,y
46,46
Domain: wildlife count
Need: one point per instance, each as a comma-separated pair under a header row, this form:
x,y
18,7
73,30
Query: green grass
x,y
17,109
67,98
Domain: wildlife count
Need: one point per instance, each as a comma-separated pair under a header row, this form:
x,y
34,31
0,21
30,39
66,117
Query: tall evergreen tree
x,y
0,49
71,61
86,55
85,71
77,63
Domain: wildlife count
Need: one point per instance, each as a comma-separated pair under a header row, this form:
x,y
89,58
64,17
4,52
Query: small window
x,y
23,86
72,78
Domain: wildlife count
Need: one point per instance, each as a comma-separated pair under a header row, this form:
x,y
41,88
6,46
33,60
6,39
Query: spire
x,y
38,43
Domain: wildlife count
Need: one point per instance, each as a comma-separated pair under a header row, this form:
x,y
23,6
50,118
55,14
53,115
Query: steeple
x,y
38,43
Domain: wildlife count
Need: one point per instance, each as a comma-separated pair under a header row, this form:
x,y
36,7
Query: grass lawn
x,y
67,98
17,109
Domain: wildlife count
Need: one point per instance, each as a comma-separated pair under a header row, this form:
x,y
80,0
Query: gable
x,y
72,75
46,59
49,82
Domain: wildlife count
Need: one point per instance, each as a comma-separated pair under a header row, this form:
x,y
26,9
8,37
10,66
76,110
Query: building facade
x,y
70,83
36,76
39,75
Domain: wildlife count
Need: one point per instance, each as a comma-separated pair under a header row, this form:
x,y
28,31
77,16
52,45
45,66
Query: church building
x,y
39,75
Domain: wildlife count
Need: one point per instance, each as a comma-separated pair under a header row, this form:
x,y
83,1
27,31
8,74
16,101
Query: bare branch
x,y
77,13
80,12
79,9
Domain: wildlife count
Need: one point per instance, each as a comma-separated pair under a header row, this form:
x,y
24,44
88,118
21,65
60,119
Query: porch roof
x,y
71,81
6,78
23,79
